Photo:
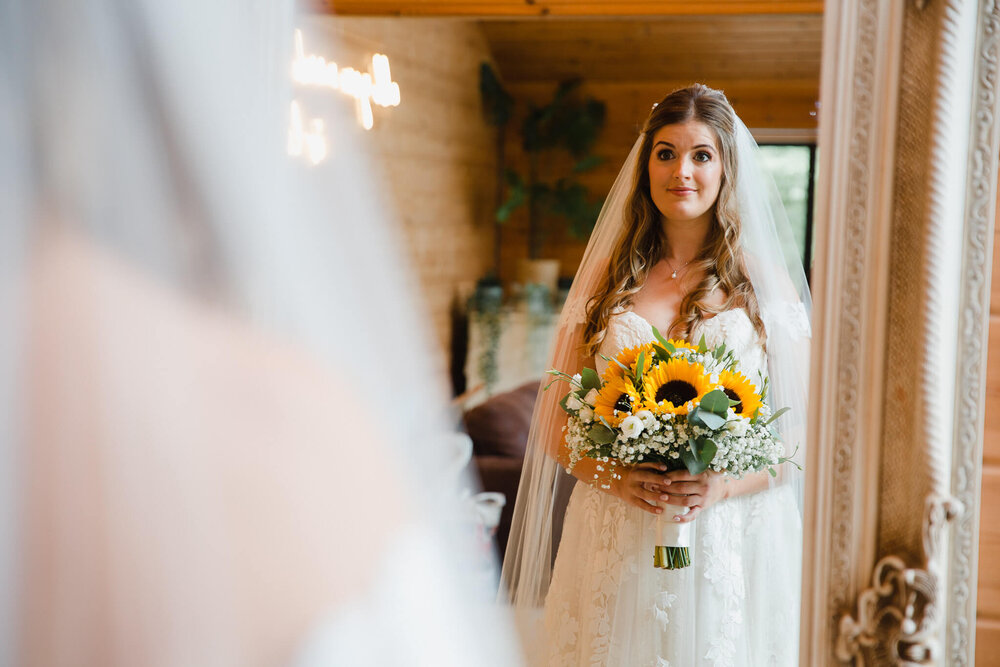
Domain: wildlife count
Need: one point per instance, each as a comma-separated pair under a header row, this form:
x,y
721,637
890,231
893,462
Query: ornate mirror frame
x,y
905,213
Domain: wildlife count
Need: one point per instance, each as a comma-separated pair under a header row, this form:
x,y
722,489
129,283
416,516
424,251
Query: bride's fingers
x,y
650,477
643,505
690,516
649,495
685,500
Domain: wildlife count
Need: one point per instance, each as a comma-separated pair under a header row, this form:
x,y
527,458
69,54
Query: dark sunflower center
x,y
624,403
677,392
733,396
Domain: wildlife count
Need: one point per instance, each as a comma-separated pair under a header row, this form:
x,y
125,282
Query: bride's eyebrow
x,y
670,145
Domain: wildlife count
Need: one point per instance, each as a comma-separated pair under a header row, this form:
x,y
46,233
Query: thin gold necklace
x,y
673,275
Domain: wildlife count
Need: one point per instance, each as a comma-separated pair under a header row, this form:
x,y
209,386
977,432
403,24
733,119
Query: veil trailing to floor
x,y
776,273
213,449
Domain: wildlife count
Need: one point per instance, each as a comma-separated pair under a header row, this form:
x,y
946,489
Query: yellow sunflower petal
x,y
671,386
739,388
628,357
616,400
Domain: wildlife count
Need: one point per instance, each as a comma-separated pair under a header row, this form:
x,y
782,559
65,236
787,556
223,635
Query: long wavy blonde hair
x,y
643,241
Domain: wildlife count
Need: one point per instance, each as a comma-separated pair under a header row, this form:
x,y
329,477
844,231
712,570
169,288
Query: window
x,y
793,168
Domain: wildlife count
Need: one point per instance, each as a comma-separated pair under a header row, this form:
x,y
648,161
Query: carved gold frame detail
x,y
905,212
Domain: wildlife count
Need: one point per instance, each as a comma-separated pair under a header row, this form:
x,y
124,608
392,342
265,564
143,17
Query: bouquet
x,y
671,402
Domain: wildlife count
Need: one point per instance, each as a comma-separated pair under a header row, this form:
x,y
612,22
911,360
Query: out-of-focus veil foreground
x,y
218,427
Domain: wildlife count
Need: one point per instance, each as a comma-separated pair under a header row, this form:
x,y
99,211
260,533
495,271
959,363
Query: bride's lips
x,y
681,191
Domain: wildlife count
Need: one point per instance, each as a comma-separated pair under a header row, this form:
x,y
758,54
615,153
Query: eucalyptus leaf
x,y
711,420
776,415
708,450
694,417
715,402
590,379
601,434
691,456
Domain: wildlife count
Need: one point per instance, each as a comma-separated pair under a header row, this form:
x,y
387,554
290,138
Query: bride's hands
x,y
643,486
696,492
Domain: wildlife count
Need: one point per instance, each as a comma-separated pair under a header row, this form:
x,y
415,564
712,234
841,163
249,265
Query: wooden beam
x,y
538,8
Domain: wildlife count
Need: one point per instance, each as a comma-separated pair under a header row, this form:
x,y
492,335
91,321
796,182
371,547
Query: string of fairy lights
x,y
307,136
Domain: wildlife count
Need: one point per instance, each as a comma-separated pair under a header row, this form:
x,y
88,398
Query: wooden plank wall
x,y
538,8
988,595
786,104
434,152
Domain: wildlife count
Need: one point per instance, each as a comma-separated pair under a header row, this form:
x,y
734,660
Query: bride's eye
x,y
664,154
703,156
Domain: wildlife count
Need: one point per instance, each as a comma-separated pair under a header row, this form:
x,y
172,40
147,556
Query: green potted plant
x,y
569,123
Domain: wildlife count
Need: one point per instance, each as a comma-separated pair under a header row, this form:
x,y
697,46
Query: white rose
x,y
591,397
647,418
573,403
631,426
738,427
586,414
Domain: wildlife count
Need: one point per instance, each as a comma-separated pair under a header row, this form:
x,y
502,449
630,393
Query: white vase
x,y
539,272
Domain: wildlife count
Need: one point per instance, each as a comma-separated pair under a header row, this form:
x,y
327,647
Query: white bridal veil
x,y
779,282
217,418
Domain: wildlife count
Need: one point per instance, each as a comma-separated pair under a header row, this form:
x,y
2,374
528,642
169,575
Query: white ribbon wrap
x,y
670,533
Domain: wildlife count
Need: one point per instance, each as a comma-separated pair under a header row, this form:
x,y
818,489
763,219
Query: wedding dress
x,y
736,605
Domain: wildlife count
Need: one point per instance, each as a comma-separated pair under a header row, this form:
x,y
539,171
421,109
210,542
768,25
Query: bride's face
x,y
685,171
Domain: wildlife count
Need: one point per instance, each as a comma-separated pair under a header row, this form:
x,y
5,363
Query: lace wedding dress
x,y
736,605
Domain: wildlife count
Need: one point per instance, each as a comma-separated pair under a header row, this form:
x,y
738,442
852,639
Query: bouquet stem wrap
x,y
673,540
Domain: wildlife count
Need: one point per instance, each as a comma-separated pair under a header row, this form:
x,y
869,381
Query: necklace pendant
x,y
673,275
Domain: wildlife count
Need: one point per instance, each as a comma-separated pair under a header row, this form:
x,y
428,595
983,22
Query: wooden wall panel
x,y
771,49
991,444
536,8
762,104
988,592
988,601
434,154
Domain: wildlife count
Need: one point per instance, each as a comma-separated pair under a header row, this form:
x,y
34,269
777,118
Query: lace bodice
x,y
733,327
735,606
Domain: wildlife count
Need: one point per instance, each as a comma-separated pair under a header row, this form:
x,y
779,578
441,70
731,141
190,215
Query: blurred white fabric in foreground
x,y
213,451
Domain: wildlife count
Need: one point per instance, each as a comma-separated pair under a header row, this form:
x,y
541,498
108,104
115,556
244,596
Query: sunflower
x,y
671,385
739,388
682,344
628,357
616,400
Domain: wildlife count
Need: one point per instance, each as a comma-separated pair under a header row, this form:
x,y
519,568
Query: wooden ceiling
x,y
536,8
763,48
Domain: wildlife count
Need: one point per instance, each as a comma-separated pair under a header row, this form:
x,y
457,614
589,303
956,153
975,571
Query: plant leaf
x,y
601,434
711,420
715,402
562,404
702,346
590,379
691,456
659,337
587,163
694,417
776,415
708,450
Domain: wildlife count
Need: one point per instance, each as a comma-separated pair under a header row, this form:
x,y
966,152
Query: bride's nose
x,y
683,169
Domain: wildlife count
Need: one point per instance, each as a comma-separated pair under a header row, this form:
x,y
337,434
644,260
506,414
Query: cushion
x,y
499,426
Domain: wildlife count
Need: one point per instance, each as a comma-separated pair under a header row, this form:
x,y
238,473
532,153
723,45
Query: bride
x,y
691,240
